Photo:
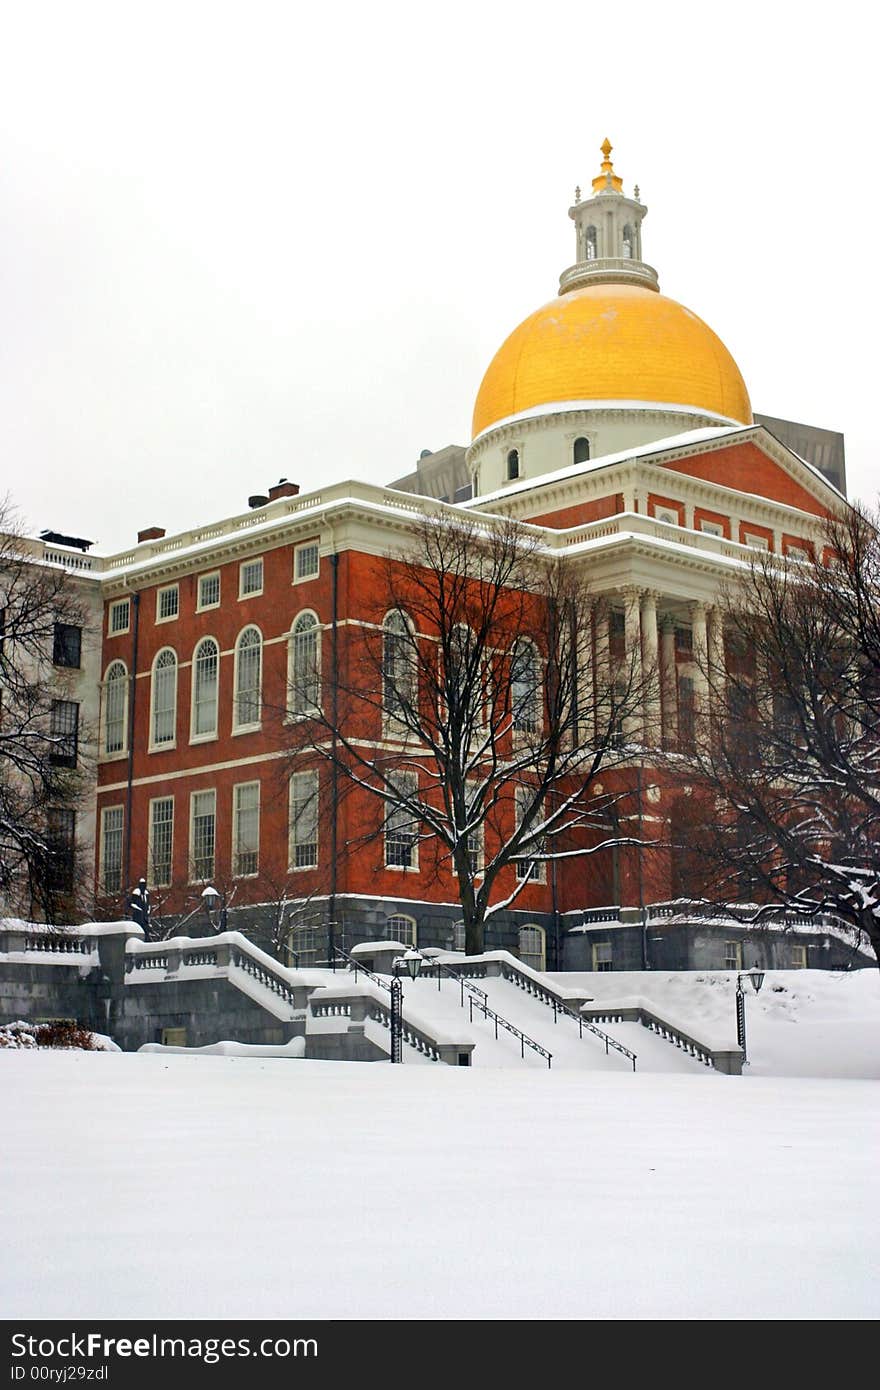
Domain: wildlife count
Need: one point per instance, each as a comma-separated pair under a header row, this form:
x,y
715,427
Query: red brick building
x,y
612,420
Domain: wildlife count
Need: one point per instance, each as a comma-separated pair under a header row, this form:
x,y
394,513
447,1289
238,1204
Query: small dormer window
x,y
627,242
590,245
581,451
513,464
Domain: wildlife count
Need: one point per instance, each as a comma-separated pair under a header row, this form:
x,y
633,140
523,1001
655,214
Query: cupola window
x,y
627,242
513,464
581,452
590,244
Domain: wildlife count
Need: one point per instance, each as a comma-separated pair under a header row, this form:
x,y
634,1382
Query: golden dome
x,y
609,342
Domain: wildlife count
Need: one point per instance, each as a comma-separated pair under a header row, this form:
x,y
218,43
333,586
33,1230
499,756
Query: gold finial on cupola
x,y
607,181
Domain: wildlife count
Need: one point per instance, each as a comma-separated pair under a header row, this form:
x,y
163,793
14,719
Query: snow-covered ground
x,y
167,1186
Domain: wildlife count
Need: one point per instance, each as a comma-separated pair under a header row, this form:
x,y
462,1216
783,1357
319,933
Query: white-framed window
x,y
202,834
303,845
64,730
306,561
590,246
401,826
250,578
304,665
116,709
513,465
531,870
163,716
711,528
475,849
305,942
167,603
525,686
400,927
733,955
668,515
463,680
398,667
248,679
796,550
755,541
61,843
209,591
245,828
112,821
603,957
532,946
160,849
205,689
580,450
798,957
119,616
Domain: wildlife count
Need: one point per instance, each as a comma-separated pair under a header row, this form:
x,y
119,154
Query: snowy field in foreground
x,y
154,1186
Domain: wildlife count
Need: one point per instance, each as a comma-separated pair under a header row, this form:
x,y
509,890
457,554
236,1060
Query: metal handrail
x,y
356,966
546,996
433,964
524,1040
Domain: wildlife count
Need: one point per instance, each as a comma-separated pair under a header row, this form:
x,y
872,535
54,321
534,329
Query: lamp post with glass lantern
x,y
412,961
757,978
214,904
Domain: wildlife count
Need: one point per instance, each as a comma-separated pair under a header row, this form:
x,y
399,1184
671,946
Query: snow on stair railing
x,y
430,964
524,1039
530,981
479,997
524,979
361,1002
226,952
719,1053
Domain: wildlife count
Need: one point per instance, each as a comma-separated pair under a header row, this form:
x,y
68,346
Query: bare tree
x,y
41,625
463,702
785,801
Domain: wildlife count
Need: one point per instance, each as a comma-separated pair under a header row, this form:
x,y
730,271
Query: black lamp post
x,y
215,907
413,964
757,978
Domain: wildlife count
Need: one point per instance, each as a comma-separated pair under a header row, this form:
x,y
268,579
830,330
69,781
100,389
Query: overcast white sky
x,y
245,241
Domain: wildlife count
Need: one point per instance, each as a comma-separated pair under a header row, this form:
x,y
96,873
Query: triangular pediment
x,y
757,464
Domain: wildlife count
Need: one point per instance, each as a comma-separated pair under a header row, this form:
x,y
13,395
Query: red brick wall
x,y
747,468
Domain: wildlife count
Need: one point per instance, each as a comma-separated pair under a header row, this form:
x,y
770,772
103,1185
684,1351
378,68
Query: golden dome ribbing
x,y
610,342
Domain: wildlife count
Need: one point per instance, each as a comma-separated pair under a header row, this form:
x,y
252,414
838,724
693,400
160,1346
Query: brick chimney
x,y
283,489
152,533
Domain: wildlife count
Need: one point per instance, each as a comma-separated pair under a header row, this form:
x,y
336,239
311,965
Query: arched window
x,y
532,950
581,450
206,680
627,242
164,720
401,928
116,708
525,686
591,244
513,464
304,668
398,667
248,678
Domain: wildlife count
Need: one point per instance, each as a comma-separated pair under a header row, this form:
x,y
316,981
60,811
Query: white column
x,y
601,667
668,683
717,668
632,658
700,644
651,668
